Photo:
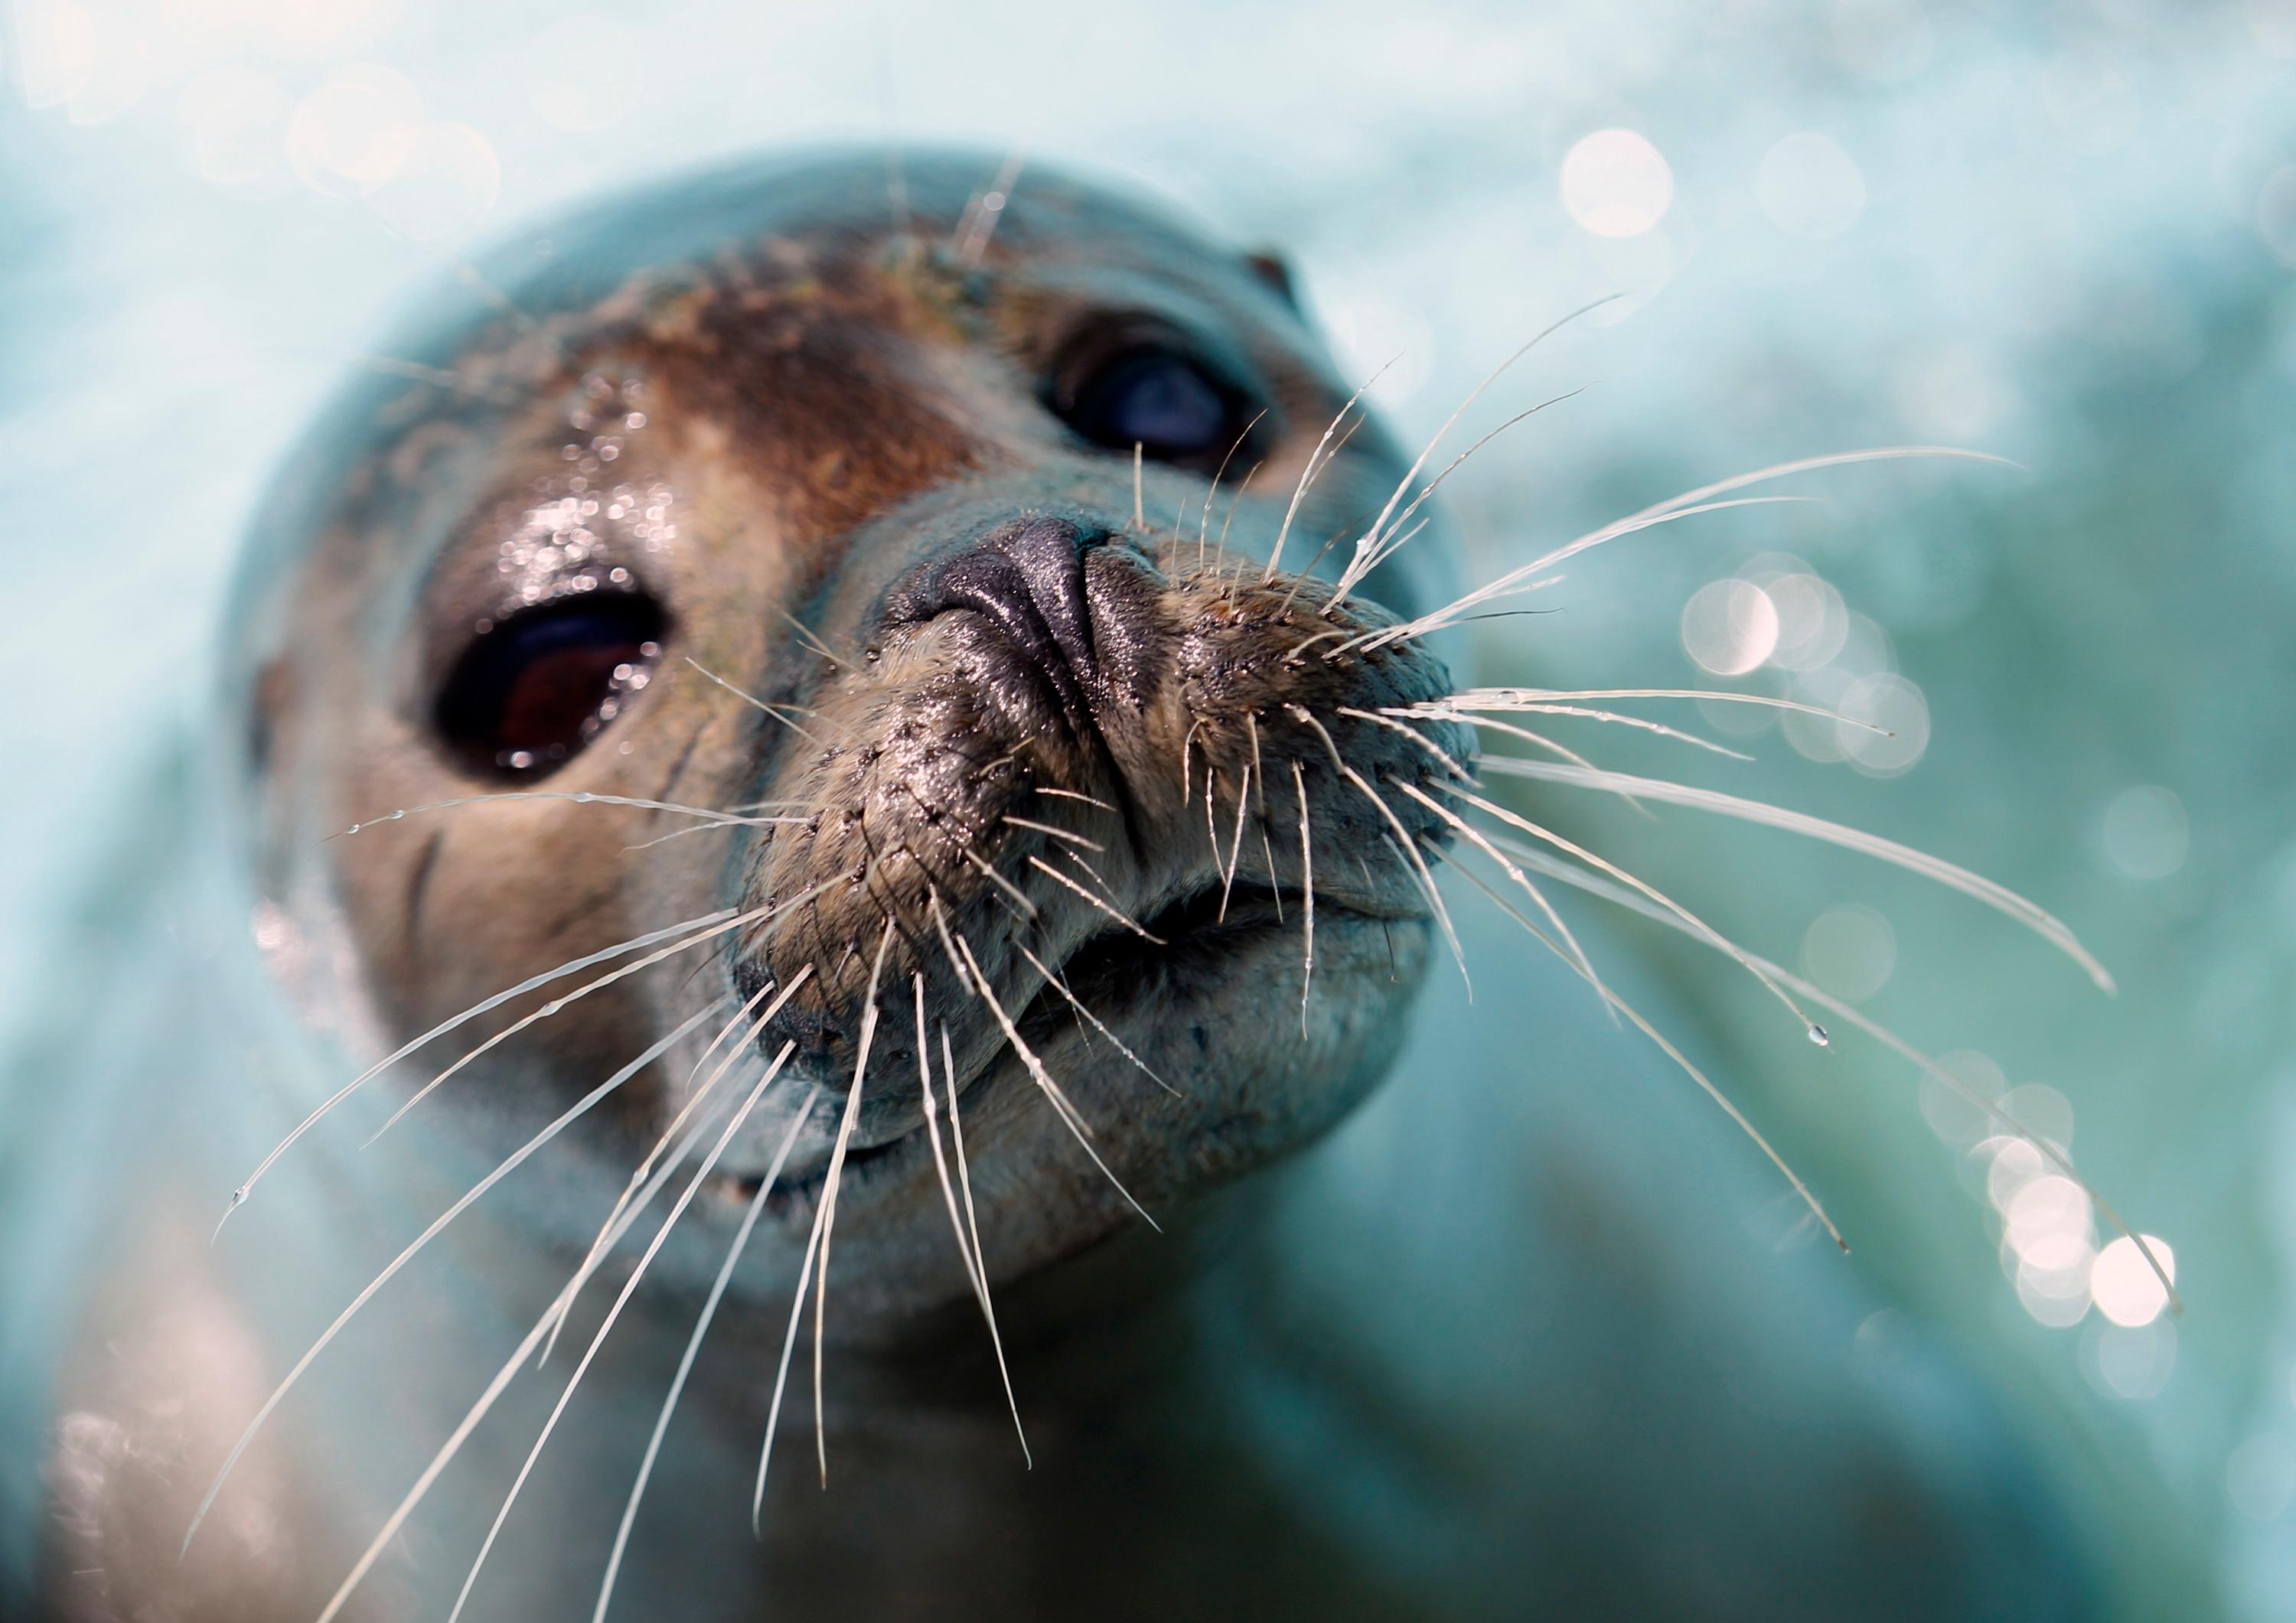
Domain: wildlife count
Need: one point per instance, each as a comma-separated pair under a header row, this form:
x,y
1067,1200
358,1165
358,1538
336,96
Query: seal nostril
x,y
1028,579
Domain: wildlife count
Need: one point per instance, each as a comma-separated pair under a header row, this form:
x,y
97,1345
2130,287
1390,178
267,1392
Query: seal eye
x,y
530,691
1164,401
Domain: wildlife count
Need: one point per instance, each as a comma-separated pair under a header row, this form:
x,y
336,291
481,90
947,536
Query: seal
x,y
892,740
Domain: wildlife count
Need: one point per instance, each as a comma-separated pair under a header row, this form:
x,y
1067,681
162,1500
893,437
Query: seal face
x,y
896,616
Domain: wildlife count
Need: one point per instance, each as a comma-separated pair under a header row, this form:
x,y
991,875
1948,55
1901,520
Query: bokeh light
x,y
1615,184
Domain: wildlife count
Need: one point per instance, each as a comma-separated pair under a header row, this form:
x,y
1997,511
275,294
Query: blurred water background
x,y
2065,233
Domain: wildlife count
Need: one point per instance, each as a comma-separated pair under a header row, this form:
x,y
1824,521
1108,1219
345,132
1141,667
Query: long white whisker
x,y
781,1375
693,1098
829,1197
577,797
778,712
1994,895
1414,735
1357,567
1701,501
573,966
478,1412
1510,698
1531,576
621,1300
1125,919
1235,845
693,1347
974,1268
1705,1083
1307,901
1466,718
1406,846
1062,987
556,1004
1596,886
1307,474
1078,1128
1069,835
516,1159
1475,836
1386,548
1815,1032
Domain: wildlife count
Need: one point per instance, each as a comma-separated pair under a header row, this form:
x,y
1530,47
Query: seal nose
x,y
1027,578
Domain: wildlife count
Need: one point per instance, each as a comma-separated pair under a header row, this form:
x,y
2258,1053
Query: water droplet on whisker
x,y
1817,1035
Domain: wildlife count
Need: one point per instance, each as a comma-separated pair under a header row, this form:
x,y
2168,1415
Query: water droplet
x,y
396,815
354,828
1817,1035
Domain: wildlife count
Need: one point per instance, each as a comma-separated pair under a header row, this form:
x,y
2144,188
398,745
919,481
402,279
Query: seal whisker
x,y
1060,984
1554,747
978,225
1684,505
1069,835
1643,724
1306,901
1358,566
579,797
1317,462
2055,1155
485,1403
1476,837
1235,845
1531,576
1234,502
970,975
1408,849
774,710
1125,919
1067,1111
1682,1062
1508,698
974,1267
1994,895
556,1004
805,636
694,1345
828,1196
572,966
1070,794
695,1096
603,1239
989,871
1386,547
509,1164
1548,836
1204,517
781,1374
613,1314
1387,718
963,1171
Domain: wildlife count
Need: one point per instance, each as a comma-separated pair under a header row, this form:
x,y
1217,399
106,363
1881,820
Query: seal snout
x,y
1027,579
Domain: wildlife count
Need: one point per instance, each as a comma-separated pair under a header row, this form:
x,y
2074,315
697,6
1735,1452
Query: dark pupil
x,y
530,693
1159,401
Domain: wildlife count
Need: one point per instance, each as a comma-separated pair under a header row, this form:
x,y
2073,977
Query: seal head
x,y
927,600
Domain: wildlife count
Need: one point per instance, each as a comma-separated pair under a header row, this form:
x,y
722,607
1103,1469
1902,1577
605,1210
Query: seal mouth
x,y
1116,973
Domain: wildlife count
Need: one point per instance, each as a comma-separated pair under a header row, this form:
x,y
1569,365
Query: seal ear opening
x,y
1273,270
